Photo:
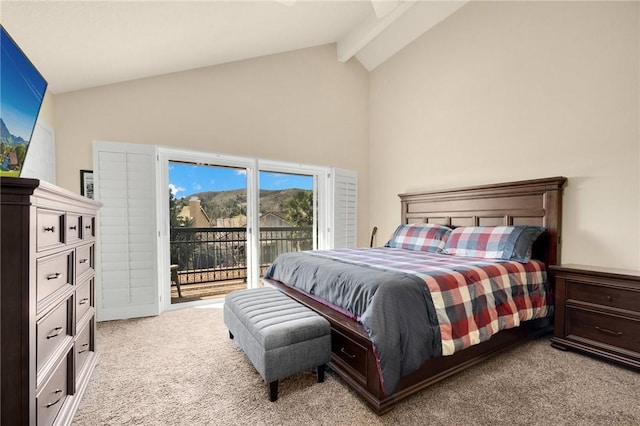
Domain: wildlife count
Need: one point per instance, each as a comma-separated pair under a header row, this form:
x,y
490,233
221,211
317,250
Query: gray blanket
x,y
394,308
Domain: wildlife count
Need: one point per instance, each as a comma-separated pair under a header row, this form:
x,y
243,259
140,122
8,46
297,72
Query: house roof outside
x,y
195,212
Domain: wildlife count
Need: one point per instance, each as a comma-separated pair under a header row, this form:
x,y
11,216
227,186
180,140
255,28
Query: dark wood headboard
x,y
535,202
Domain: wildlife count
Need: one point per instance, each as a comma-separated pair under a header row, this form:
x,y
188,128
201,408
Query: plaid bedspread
x,y
417,305
473,298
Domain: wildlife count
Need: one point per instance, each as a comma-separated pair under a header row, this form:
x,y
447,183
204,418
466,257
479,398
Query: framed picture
x,y
86,183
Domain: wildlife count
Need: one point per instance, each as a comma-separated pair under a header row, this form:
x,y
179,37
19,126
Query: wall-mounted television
x,y
22,89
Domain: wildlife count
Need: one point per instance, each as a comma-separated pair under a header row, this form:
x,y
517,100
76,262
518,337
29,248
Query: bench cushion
x,y
274,319
279,335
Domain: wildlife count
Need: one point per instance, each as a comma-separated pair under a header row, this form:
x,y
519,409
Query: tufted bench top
x,y
274,319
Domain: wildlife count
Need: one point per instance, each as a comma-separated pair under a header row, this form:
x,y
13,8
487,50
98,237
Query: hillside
x,y
222,204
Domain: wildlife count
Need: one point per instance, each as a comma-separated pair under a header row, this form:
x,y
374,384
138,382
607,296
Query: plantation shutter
x,y
126,266
343,213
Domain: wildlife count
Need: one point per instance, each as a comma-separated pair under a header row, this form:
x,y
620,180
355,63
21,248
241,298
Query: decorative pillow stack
x,y
427,237
493,242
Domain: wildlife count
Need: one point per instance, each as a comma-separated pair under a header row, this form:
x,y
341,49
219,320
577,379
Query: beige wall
x,y
302,106
47,108
504,91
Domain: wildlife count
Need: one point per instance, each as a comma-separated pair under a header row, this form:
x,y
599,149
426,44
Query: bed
x,y
532,203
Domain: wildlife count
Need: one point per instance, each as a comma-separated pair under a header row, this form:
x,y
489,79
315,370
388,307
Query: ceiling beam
x,y
423,16
369,29
383,7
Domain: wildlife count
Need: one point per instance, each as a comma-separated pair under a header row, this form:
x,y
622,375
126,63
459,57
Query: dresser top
x,y
39,191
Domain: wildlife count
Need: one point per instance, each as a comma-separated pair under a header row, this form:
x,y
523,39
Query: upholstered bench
x,y
279,335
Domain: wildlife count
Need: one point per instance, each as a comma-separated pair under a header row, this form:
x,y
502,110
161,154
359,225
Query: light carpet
x,y
180,368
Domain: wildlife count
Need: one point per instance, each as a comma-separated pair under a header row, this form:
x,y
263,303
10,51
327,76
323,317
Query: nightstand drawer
x,y
601,295
597,327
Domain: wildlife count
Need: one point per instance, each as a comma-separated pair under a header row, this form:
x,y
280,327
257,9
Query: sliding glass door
x,y
227,218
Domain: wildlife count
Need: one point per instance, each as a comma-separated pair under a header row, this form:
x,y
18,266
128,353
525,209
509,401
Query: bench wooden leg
x,y
320,373
273,391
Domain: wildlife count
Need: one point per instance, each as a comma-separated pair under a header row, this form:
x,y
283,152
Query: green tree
x,y
182,244
174,219
299,209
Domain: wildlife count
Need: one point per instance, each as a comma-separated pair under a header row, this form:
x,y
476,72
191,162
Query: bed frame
x,y
532,202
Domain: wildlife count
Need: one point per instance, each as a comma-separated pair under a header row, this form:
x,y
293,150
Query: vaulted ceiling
x,y
83,44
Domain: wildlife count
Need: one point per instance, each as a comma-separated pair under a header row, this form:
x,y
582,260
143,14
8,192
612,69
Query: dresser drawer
x,y
52,331
601,295
53,273
88,227
598,327
84,259
350,352
84,301
49,230
83,347
53,394
73,228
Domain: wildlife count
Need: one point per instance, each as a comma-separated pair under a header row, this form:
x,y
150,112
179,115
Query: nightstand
x,y
597,311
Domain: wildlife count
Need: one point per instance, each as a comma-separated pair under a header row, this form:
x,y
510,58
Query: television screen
x,y
22,89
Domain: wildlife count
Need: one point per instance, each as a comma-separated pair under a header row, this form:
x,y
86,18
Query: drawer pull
x,y
607,331
87,227
347,353
50,229
73,228
54,276
609,299
83,301
85,347
85,260
55,392
56,333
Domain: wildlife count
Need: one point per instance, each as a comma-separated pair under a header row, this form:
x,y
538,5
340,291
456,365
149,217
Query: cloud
x,y
175,189
196,186
241,172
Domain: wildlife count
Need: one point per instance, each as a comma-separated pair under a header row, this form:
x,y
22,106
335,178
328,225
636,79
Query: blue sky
x,y
22,90
187,179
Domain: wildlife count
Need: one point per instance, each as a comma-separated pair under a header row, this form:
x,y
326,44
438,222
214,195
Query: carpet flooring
x,y
180,368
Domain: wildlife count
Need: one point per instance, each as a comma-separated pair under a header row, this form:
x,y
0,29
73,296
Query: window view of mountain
x,y
13,149
294,206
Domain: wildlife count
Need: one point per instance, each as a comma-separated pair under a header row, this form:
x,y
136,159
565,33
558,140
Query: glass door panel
x,y
287,206
208,230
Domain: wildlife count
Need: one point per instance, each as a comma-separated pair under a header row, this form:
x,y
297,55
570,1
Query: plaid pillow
x,y
493,242
427,237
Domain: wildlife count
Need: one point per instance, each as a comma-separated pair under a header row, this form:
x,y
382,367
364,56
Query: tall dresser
x,y
47,308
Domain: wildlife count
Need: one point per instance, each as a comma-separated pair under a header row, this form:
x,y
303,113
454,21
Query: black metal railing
x,y
220,254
